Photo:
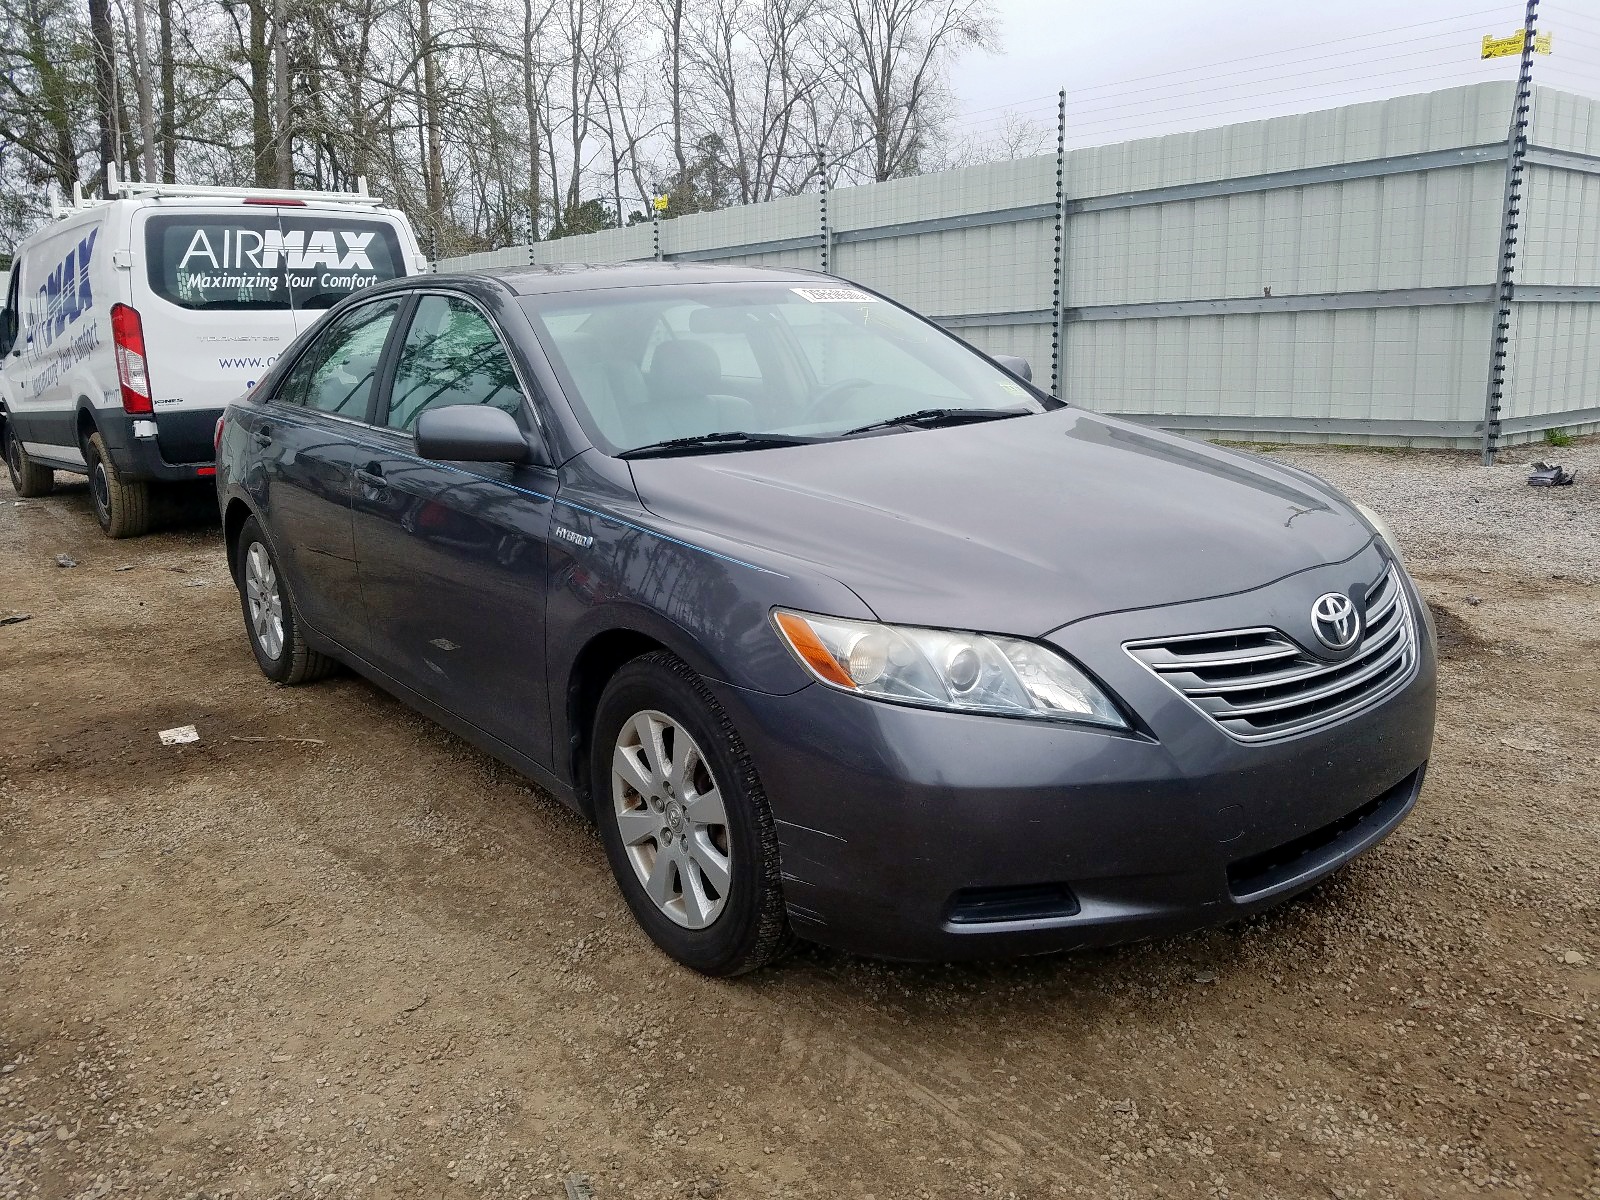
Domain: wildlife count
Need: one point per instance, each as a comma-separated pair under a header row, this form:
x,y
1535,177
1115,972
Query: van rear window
x,y
267,259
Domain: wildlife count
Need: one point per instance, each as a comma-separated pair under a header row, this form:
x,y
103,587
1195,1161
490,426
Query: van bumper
x,y
171,447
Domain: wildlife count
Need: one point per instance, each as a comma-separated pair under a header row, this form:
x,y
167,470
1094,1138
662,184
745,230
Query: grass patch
x,y
1557,437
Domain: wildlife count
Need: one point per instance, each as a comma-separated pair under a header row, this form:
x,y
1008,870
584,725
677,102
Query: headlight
x,y
1381,528
941,668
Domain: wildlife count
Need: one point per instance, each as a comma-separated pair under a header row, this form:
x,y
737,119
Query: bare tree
x,y
142,72
894,53
105,81
473,114
169,94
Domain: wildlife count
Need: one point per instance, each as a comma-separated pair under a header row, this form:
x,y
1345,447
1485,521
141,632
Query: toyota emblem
x,y
1335,621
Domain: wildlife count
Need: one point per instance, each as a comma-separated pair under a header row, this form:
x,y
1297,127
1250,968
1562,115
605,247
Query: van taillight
x,y
133,373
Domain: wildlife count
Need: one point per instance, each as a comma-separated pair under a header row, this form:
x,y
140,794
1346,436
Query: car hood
x,y
1018,525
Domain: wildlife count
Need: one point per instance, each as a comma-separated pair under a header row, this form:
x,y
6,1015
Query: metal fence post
x,y
655,228
825,247
1510,208
1058,299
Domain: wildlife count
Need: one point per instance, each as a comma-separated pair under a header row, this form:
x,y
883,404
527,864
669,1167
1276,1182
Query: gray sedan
x,y
837,627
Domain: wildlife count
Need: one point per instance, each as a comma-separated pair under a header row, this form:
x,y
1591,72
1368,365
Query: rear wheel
x,y
122,506
685,820
28,478
269,616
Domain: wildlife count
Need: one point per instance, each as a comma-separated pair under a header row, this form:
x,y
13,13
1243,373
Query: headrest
x,y
686,366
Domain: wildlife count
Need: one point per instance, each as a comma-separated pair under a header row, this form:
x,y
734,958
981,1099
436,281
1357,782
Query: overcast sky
x,y
1136,69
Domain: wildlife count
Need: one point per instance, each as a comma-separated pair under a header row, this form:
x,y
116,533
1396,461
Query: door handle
x,y
261,437
372,478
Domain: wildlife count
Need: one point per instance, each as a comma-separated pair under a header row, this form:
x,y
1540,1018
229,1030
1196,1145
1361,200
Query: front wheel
x,y
685,821
269,616
28,478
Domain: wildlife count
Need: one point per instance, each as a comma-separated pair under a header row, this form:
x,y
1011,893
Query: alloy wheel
x,y
669,811
265,600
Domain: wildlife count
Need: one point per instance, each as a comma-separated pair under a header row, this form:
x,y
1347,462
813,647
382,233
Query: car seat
x,y
687,394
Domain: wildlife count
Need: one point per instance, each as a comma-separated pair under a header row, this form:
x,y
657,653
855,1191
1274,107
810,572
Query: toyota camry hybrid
x,y
837,627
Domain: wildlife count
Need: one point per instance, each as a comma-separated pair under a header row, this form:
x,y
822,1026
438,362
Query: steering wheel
x,y
827,401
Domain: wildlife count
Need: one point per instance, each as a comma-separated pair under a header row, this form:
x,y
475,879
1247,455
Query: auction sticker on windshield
x,y
834,295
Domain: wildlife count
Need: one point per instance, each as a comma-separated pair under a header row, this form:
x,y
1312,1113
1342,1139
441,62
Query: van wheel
x,y
685,820
269,617
122,506
28,478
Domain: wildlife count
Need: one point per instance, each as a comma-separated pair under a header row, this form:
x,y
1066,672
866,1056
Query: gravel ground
x,y
329,950
1454,514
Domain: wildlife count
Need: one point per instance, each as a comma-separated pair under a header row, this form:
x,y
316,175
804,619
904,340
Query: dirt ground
x,y
329,950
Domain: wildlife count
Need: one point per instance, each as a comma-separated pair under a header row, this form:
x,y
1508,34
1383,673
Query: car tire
x,y
28,478
270,620
122,506
676,900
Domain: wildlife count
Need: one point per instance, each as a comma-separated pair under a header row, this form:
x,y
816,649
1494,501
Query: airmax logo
x,y
577,539
264,249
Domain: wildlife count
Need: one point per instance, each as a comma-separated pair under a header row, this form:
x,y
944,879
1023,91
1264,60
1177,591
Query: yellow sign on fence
x,y
1508,47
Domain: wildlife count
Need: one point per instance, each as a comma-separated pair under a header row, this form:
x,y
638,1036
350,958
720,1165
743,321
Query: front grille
x,y
1258,684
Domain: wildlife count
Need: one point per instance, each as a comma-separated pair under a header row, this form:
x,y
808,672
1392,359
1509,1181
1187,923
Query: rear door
x,y
223,289
453,556
307,439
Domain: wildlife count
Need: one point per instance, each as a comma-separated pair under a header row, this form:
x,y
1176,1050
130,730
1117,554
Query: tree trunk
x,y
142,73
676,50
579,118
105,81
283,144
169,96
530,102
262,142
433,180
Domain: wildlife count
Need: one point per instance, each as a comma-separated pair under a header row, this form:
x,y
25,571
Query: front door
x,y
453,556
309,435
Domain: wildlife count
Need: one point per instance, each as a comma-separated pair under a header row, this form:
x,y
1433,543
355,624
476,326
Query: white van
x,y
130,323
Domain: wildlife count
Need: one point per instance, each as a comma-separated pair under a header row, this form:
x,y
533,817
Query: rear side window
x,y
336,374
265,259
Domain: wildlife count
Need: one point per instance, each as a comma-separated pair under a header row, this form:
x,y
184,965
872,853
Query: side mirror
x,y
8,330
1017,365
470,433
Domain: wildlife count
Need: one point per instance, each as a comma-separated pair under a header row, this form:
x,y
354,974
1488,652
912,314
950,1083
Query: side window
x,y
337,373
8,318
451,356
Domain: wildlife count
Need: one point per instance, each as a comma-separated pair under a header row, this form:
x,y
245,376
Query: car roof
x,y
579,277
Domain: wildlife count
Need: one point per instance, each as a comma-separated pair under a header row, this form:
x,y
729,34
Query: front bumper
x,y
920,834
169,447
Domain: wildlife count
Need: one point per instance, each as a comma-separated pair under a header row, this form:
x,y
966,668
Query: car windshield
x,y
788,360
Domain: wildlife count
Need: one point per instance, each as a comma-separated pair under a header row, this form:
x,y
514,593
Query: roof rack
x,y
118,189
123,188
59,209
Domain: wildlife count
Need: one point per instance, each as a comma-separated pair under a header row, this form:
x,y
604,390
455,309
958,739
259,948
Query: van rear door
x,y
223,289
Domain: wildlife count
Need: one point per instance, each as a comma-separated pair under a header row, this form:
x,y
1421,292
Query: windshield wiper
x,y
932,418
711,443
